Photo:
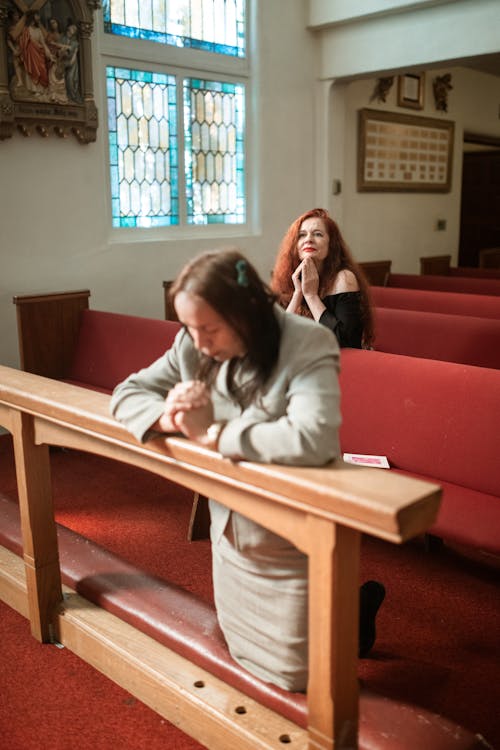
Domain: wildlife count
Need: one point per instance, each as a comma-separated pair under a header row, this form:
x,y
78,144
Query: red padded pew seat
x,y
434,420
453,338
188,626
450,303
110,346
460,284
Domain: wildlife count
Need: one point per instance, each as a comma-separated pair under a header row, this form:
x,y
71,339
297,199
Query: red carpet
x,y
52,700
439,629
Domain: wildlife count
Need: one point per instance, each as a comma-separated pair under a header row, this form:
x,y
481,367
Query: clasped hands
x,y
306,278
188,409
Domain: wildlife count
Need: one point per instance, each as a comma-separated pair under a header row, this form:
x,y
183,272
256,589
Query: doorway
x,y
480,200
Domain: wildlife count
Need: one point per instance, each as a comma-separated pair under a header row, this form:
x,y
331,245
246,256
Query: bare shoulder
x,y
345,281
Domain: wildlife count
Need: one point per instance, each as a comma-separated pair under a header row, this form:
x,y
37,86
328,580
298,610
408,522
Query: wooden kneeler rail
x,y
323,511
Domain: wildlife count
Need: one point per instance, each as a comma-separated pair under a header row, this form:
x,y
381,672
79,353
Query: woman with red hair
x,y
316,276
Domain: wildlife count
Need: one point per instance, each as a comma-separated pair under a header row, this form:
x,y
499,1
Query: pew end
x,y
47,327
376,271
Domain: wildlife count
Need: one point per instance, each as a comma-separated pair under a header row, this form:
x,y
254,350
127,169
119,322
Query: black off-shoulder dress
x,y
343,317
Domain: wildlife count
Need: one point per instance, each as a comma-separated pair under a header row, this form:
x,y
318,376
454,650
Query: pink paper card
x,y
361,459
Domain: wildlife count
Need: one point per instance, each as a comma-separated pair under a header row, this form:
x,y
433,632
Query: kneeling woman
x,y
246,379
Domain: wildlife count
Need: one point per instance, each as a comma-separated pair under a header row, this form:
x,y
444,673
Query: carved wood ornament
x,y
46,68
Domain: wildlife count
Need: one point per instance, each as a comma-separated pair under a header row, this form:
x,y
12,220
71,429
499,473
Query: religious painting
x,y
404,152
46,68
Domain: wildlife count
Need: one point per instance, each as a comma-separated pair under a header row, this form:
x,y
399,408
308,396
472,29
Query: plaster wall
x,y
403,226
54,202
325,12
363,38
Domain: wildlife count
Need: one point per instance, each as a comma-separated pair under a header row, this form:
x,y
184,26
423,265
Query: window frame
x,y
181,62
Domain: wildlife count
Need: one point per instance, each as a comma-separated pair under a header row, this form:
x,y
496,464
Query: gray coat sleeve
x,y
140,399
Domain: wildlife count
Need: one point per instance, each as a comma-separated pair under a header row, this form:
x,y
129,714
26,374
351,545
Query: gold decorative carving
x,y
441,86
382,88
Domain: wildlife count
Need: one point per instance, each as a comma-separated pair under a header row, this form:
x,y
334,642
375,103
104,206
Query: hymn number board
x,y
404,152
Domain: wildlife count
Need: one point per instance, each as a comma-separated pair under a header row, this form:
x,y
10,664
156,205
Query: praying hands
x,y
188,409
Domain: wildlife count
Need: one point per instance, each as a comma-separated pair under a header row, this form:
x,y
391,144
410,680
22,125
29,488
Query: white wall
x,y
326,12
373,40
402,226
53,193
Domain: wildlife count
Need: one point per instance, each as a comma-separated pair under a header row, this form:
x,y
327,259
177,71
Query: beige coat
x,y
260,580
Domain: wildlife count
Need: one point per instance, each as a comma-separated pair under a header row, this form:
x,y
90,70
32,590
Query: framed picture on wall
x,y
411,87
405,153
46,68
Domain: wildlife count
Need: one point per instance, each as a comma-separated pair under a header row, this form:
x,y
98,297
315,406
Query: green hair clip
x,y
241,270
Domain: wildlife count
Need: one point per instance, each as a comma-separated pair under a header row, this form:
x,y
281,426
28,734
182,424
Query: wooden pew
x,y
478,273
440,265
323,511
435,265
489,257
47,330
376,271
450,303
460,284
467,339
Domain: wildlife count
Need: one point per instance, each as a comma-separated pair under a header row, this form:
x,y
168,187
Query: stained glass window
x,y
143,147
212,25
176,136
214,155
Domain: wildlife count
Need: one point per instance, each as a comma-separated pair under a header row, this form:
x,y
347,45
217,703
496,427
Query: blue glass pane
x,y
211,25
214,160
142,133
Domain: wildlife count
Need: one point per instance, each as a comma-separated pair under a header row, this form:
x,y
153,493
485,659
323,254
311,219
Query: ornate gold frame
x,y
45,103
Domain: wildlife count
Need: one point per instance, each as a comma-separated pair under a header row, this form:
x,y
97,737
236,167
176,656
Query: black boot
x,y
371,596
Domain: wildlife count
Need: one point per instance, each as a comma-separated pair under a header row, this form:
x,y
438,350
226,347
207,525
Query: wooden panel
x,y
435,265
376,271
489,257
47,328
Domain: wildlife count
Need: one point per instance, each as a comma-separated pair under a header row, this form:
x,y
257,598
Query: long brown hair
x,y
232,287
339,258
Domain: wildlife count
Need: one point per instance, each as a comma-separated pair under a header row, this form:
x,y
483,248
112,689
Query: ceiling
x,y
484,63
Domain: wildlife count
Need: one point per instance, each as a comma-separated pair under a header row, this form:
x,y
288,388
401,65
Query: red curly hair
x,y
339,258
